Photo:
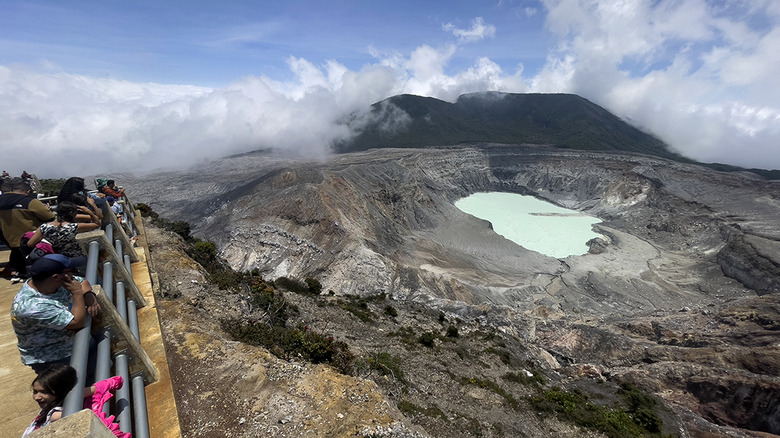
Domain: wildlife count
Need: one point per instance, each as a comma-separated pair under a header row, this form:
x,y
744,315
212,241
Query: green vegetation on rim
x,y
635,416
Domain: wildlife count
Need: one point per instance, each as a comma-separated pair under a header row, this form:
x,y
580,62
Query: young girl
x,y
51,387
49,390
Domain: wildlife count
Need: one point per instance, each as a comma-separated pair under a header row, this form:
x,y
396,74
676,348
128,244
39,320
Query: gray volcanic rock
x,y
753,260
685,251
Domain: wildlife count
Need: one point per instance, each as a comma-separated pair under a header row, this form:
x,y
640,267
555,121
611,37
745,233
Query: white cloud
x,y
478,30
246,34
703,80
706,81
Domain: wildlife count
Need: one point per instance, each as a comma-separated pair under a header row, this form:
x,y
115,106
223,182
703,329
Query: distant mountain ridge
x,y
561,120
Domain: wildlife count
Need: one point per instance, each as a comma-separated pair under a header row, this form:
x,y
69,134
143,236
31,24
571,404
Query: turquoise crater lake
x,y
532,223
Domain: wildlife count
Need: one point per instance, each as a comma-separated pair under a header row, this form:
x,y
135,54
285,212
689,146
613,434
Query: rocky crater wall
x,y
684,247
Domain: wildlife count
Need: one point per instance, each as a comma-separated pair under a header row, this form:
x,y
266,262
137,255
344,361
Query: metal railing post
x,y
79,356
103,369
92,261
132,318
123,394
128,264
74,401
108,280
139,408
121,301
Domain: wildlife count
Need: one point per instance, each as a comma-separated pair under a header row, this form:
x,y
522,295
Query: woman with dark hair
x,y
61,232
49,391
86,201
74,185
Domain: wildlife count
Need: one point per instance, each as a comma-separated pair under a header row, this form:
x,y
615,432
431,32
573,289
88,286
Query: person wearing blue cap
x,y
48,309
115,206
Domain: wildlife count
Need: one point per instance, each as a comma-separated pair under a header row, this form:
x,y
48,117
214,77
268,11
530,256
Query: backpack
x,y
41,249
100,183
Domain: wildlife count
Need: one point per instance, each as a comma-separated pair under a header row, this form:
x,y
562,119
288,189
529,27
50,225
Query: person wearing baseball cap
x,y
48,310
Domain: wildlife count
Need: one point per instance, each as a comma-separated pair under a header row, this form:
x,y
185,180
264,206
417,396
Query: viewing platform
x,y
16,403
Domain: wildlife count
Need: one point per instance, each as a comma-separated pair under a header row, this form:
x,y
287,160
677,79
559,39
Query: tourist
x,y
74,185
116,207
83,200
61,232
50,388
110,189
20,212
48,309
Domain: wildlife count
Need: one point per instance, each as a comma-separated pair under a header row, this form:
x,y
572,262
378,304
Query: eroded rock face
x,y
684,247
753,260
226,388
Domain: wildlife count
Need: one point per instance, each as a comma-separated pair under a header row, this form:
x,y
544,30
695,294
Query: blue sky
x,y
129,85
212,43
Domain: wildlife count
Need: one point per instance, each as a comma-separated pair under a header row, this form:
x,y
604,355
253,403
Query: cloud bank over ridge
x,y
700,75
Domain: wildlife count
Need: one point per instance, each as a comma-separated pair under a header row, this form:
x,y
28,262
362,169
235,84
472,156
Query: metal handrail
x,y
74,401
112,289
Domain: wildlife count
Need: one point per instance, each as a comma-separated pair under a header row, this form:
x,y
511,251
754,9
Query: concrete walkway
x,y
16,404
17,408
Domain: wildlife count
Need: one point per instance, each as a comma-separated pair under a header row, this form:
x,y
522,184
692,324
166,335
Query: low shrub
x,y
505,356
387,364
357,306
146,210
291,284
642,407
524,379
290,343
276,308
390,311
307,286
493,386
408,335
412,410
225,279
182,228
452,332
314,286
427,339
204,252
638,419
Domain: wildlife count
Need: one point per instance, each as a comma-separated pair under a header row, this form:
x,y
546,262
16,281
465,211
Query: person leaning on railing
x,y
48,309
115,206
75,185
110,189
61,232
